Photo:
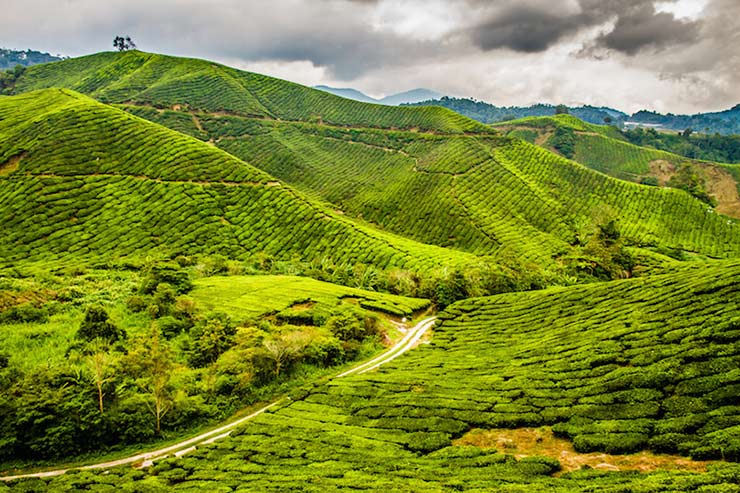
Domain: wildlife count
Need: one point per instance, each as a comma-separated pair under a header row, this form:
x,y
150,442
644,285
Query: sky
x,y
680,56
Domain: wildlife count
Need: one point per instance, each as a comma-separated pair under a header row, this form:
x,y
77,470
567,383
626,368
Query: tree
x,y
281,348
210,338
101,363
123,44
151,363
561,109
97,325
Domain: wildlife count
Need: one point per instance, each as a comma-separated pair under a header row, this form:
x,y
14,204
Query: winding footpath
x,y
145,459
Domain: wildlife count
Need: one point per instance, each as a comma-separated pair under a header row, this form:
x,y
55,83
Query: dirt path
x,y
146,459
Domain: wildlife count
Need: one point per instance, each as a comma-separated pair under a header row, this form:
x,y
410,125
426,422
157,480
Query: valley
x,y
350,295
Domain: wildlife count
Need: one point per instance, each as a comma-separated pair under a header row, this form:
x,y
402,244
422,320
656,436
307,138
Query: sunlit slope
x,y
483,194
604,149
164,81
647,363
79,178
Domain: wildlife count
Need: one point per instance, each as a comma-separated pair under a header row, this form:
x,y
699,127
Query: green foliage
x,y
210,338
709,147
618,366
97,325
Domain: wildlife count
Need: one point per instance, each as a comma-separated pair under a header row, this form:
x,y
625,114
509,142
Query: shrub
x,y
427,442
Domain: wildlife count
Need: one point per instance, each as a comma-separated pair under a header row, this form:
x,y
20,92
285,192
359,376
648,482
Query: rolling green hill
x,y
81,179
604,149
164,81
444,180
646,363
482,194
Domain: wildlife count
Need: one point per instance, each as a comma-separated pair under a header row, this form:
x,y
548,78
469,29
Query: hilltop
x,y
164,81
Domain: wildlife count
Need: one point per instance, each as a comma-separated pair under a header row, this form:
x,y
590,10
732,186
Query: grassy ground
x,y
253,296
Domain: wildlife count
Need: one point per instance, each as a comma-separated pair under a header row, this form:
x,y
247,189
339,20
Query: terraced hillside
x,y
81,179
164,81
604,149
479,193
647,363
482,194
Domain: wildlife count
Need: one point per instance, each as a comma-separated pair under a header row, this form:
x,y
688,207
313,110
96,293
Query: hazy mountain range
x,y
407,97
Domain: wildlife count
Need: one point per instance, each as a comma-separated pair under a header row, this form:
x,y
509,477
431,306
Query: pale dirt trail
x,y
145,459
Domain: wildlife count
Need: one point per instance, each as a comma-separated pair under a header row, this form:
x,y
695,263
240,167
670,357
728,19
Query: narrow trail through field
x,y
145,459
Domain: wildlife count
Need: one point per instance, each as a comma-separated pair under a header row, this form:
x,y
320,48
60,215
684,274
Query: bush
x,y
427,442
24,313
177,278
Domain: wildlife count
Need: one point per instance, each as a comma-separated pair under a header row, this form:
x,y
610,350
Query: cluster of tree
x,y
599,251
185,368
8,79
563,140
711,147
723,122
123,43
11,58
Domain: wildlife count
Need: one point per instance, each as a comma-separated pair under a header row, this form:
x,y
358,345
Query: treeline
x,y
488,113
11,58
709,147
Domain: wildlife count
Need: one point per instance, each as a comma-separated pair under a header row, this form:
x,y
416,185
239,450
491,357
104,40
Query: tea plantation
x,y
646,363
605,149
475,193
164,81
181,239
81,179
478,192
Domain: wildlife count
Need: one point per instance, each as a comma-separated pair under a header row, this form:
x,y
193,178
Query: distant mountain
x,y
723,122
348,92
412,96
408,97
11,58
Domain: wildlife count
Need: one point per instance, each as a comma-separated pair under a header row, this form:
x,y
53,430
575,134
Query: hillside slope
x,y
164,81
482,194
604,149
82,179
638,364
477,193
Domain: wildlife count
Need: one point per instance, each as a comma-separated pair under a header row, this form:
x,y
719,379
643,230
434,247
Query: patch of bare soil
x,y
662,170
11,164
303,306
723,187
526,442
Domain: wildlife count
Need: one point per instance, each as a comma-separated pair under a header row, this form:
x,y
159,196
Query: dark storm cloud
x,y
536,26
523,29
643,27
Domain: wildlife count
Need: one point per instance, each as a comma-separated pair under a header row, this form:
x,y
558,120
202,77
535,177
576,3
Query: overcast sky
x,y
674,55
